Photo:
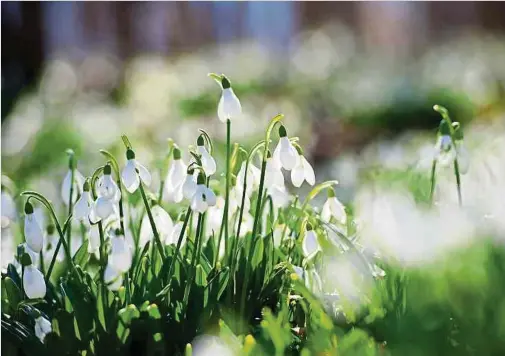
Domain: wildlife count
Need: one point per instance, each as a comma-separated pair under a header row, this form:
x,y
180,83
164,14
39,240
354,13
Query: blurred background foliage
x,y
356,81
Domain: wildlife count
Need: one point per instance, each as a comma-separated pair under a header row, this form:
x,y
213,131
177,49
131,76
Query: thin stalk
x,y
227,196
70,200
151,221
196,250
295,201
55,254
458,181
433,179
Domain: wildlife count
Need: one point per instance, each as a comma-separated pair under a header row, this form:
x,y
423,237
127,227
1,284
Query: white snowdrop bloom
x,y
253,177
310,244
131,179
444,151
77,186
42,328
462,156
285,153
51,241
175,177
333,208
215,216
9,210
120,257
229,106
33,283
75,244
34,256
204,197
82,207
280,196
94,239
107,188
34,235
273,174
208,162
189,185
163,223
112,278
173,238
302,171
101,209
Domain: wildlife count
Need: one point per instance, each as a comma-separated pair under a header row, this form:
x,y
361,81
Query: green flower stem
x,y
55,253
458,181
293,205
70,200
312,194
103,264
196,250
176,253
433,179
151,221
227,196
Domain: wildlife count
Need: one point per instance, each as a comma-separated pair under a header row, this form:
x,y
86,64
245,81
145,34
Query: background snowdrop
x,y
34,235
163,223
273,174
285,153
78,181
229,106
332,207
189,185
82,207
310,245
133,173
208,162
112,278
120,257
302,171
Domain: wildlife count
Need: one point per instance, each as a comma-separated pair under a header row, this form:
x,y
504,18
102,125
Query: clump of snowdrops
x,y
219,258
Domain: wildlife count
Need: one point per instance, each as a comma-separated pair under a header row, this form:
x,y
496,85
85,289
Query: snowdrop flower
x,y
112,278
280,196
173,238
310,244
176,177
33,283
134,172
204,197
444,152
34,235
82,207
229,106
8,207
189,185
67,181
101,209
302,171
163,223
285,153
273,174
42,328
107,188
94,239
333,208
120,257
208,162
215,216
253,177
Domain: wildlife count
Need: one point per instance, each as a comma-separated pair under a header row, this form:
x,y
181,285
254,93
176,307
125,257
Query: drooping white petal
x,y
208,162
176,174
287,153
210,197
298,174
144,174
112,278
280,196
94,239
163,222
103,208
77,186
189,186
199,200
273,175
33,283
310,176
229,106
129,176
121,256
337,209
34,256
174,194
34,235
83,206
173,238
42,328
107,188
310,244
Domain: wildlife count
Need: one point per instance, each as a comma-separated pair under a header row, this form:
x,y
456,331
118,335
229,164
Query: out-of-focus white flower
x,y
163,223
189,185
333,208
42,328
33,232
247,224
107,188
112,278
311,278
302,171
208,162
310,244
120,257
273,174
33,283
101,209
77,186
229,106
280,196
173,238
51,241
285,153
8,207
215,216
133,173
176,177
82,207
203,197
253,177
